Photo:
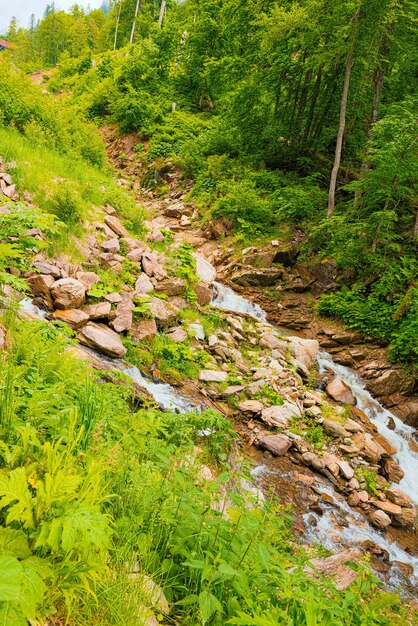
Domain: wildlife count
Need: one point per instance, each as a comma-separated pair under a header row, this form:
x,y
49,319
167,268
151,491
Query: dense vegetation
x,y
97,492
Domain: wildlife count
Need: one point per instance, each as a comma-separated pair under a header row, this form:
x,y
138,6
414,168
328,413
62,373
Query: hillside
x,y
209,314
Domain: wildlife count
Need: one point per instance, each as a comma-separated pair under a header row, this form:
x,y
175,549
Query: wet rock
x,y
391,470
171,287
334,429
252,277
102,338
214,376
345,469
97,311
162,311
397,496
116,225
68,293
276,444
88,279
75,318
250,406
204,270
144,330
334,567
203,294
379,519
143,284
339,391
406,517
408,411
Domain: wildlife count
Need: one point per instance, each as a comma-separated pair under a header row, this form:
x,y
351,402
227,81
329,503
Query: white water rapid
x,y
225,298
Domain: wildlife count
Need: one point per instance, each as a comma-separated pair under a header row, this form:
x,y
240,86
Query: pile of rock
x,y
7,187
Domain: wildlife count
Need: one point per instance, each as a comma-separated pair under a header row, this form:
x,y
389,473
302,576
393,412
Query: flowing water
x,y
225,298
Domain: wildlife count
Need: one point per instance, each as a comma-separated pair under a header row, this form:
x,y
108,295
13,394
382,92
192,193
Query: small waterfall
x,y
400,437
225,298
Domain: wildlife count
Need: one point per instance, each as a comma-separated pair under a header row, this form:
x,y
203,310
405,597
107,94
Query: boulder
x,y
215,376
177,334
203,293
162,311
97,311
398,497
379,519
331,463
196,331
116,225
152,266
171,286
113,297
345,469
75,318
144,330
271,342
339,391
204,270
143,284
385,505
111,245
88,279
391,469
276,444
334,567
280,414
304,350
68,293
47,268
250,406
252,277
311,459
40,285
406,517
334,429
102,338
232,390
123,315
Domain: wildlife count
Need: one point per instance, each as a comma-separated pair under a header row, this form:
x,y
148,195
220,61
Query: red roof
x,y
4,44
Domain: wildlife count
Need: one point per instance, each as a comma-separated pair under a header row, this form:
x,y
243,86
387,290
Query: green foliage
x,y
270,395
369,477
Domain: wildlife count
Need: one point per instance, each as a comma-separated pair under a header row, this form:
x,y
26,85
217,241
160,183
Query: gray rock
x,y
334,429
215,376
143,284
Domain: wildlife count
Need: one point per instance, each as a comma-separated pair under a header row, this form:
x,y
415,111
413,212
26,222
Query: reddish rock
x,y
123,315
47,268
75,318
68,293
346,469
100,310
250,406
171,286
103,339
391,470
276,444
203,293
379,519
40,286
339,391
334,567
88,279
116,225
111,245
144,330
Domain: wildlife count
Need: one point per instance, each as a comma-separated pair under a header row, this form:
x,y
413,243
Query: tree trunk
x,y
312,105
134,22
162,11
117,25
341,126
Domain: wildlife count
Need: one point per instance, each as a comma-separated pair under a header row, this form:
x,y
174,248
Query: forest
x,y
277,124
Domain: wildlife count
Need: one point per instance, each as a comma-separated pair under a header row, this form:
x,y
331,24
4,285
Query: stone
x,y
331,463
212,341
277,445
339,391
353,499
398,497
313,460
151,265
113,297
41,284
334,429
334,567
171,286
253,277
116,225
379,519
385,505
111,245
391,470
204,270
156,236
135,255
185,221
177,334
75,318
162,311
304,350
88,279
102,338
232,390
278,415
406,517
352,426
271,342
144,330
176,210
68,293
123,317
212,376
97,311
203,293
44,267
250,406
2,337
345,469
196,330
131,244
143,284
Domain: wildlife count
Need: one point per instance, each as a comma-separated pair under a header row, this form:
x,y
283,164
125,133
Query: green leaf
x,y
10,570
188,600
14,489
208,604
14,542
